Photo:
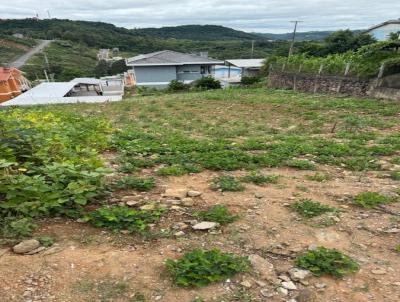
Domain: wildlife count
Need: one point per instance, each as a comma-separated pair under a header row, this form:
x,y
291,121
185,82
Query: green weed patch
x,y
200,268
137,183
226,184
308,208
217,213
259,179
323,261
372,199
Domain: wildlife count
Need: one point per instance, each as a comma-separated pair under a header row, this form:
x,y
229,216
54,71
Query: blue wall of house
x,y
154,74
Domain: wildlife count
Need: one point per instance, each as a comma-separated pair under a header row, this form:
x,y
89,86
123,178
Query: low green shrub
x,y
46,241
217,213
259,179
17,228
323,261
207,83
226,183
177,86
308,208
247,81
137,183
318,177
178,170
300,164
200,268
123,218
372,199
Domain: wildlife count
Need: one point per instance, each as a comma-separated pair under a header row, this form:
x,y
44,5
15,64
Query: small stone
x,y
175,193
26,246
320,285
282,291
261,283
259,195
264,268
179,234
246,284
378,271
289,285
128,198
306,295
132,203
36,251
193,193
312,247
187,202
205,225
297,274
393,231
265,293
148,207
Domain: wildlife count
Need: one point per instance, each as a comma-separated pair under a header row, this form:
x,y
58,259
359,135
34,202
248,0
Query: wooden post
x,y
380,75
347,69
321,68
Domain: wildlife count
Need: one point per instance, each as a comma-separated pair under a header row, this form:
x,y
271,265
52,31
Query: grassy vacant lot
x,y
280,172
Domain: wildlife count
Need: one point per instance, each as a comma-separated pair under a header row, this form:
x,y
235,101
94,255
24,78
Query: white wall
x,y
382,33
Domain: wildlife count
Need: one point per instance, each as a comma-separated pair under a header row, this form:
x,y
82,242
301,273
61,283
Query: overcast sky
x,y
256,15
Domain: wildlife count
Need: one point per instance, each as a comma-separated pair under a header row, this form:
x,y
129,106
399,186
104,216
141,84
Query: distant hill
x,y
300,36
198,33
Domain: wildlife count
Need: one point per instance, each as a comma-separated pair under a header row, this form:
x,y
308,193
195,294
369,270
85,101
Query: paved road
x,y
25,57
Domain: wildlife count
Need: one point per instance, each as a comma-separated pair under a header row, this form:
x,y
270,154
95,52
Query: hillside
x,y
300,36
198,33
11,47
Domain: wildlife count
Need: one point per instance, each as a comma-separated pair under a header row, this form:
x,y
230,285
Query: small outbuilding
x,y
250,67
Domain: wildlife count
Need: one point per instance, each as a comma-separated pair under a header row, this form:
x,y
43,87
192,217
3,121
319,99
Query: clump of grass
x,y
300,164
318,177
217,213
178,170
123,218
259,179
397,248
323,261
226,183
200,268
137,183
395,175
372,199
309,209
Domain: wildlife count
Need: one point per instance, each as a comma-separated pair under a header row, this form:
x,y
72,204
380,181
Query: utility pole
x,y
294,37
252,48
48,13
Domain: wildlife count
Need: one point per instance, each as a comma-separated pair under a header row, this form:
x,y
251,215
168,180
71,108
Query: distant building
x,y
18,35
249,67
381,32
12,83
158,69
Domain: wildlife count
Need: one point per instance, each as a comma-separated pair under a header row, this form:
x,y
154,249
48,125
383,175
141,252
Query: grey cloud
x,y
256,15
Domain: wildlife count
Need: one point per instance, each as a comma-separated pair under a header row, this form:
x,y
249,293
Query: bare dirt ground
x,y
89,264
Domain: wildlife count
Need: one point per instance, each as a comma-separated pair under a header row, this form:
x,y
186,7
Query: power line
x,y
294,36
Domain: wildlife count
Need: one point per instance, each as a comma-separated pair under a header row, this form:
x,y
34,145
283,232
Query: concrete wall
x,y
154,74
332,84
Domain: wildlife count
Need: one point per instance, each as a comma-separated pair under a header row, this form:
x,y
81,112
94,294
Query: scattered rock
x,y
205,225
187,202
259,195
26,246
128,198
246,284
179,234
192,193
264,268
36,251
175,193
132,203
289,285
282,291
265,293
306,295
379,271
297,274
392,231
53,250
148,207
320,285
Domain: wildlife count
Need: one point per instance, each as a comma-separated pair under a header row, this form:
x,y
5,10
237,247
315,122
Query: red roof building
x,y
12,83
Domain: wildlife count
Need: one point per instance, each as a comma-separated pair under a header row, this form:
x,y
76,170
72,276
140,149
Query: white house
x,y
382,31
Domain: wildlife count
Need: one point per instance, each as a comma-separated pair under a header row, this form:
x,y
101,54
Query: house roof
x,y
6,73
247,63
169,57
88,81
396,21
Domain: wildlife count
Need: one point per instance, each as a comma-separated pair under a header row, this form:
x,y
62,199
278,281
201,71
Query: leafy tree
x,y
101,69
342,41
117,67
394,36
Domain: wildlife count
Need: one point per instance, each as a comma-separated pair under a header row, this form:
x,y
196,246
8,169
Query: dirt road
x,y
25,57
